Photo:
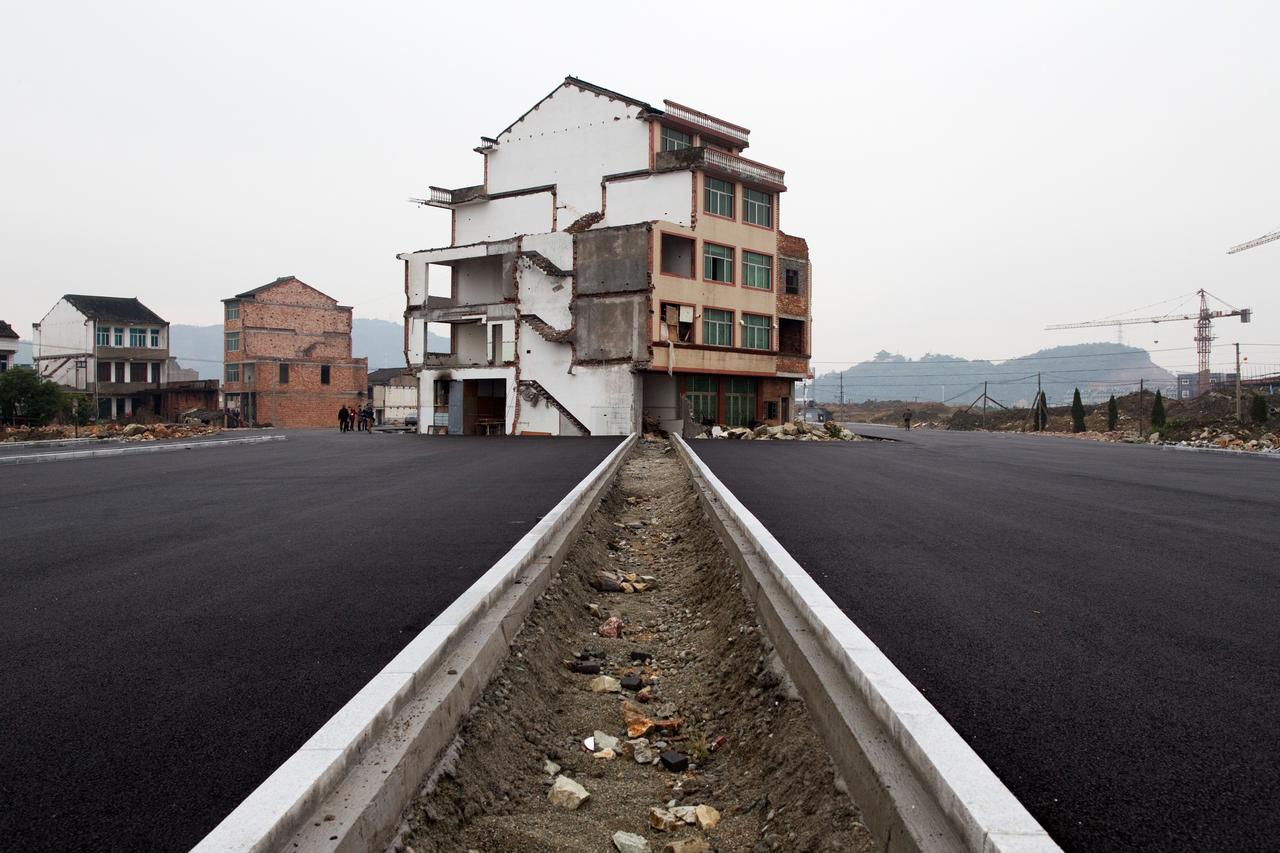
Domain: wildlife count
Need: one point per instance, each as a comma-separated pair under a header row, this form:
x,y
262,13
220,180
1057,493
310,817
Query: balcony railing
x,y
441,197
719,127
715,160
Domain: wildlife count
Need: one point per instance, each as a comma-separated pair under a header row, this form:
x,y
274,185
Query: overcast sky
x,y
964,173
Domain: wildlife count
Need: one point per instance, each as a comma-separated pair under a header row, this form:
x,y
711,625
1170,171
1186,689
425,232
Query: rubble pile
x,y
791,431
639,723
1226,439
127,432
153,432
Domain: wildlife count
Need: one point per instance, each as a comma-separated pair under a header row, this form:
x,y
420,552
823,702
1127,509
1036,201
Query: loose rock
x,y
675,761
605,684
612,628
629,842
706,816
567,794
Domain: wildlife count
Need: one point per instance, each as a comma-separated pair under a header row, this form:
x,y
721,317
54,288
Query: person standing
x,y
342,419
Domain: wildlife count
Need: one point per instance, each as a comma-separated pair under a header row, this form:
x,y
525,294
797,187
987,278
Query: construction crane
x,y
1265,238
1204,326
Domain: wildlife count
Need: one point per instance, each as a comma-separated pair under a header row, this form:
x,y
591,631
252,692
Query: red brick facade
x,y
290,327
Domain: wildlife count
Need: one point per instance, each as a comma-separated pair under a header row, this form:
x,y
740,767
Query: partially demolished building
x,y
618,261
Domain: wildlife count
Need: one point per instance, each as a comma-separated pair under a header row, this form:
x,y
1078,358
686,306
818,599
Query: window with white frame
x,y
233,373
757,331
233,341
155,338
718,197
233,310
103,336
717,263
675,140
118,337
757,207
137,337
757,270
717,327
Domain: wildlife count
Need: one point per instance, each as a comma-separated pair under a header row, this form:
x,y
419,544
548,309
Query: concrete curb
x,y
920,786
347,787
57,442
130,451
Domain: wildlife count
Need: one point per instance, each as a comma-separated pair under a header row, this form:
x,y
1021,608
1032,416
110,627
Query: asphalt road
x,y
175,625
1100,622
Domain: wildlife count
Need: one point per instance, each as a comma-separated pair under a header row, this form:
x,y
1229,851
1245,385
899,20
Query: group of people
x,y
349,418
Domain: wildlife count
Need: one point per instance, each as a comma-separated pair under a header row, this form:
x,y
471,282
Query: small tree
x,y
1157,411
1113,414
1077,413
23,392
1258,409
81,413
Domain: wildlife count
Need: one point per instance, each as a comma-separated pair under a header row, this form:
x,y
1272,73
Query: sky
x,y
964,173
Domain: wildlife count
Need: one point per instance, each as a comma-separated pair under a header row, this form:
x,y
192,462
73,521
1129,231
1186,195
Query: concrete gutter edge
x,y
280,806
983,814
70,455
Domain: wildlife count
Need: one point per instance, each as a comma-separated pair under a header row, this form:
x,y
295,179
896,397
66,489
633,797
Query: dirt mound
x,y
690,659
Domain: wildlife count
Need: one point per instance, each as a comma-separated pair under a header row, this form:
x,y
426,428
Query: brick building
x,y
287,356
618,262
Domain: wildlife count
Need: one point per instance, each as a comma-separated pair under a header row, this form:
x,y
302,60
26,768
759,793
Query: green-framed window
x,y
757,270
757,331
757,208
739,402
103,336
233,373
717,263
233,310
233,341
137,338
675,140
717,327
703,395
718,197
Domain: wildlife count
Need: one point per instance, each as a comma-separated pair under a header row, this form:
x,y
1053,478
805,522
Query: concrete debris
x,y
550,767
663,820
638,725
790,431
567,794
605,741
605,754
629,842
605,684
622,582
611,628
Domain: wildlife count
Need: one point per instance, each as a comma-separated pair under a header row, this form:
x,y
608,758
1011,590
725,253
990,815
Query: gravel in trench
x,y
715,694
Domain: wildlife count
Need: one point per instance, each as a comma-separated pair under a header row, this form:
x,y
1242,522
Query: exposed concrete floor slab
x,y
177,625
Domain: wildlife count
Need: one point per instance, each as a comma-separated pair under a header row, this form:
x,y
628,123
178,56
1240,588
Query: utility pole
x,y
1141,385
984,405
842,387
1239,418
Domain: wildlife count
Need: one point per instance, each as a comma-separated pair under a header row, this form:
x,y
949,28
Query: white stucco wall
x,y
396,401
571,140
63,332
479,280
547,296
667,196
605,397
426,391
500,218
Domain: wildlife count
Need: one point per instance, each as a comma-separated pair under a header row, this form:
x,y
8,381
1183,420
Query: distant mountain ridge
x,y
1097,369
200,347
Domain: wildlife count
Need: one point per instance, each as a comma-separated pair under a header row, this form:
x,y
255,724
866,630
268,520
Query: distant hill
x,y
381,341
1098,370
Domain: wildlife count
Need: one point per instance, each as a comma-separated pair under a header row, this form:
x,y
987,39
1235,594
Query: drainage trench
x,y
690,679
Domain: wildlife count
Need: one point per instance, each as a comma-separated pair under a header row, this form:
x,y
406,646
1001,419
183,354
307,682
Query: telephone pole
x,y
841,387
1141,386
1239,414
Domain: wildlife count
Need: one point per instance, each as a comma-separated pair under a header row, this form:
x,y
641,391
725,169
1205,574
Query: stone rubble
x,y
567,794
796,430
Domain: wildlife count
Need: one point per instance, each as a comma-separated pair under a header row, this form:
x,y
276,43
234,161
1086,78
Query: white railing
x,y
742,166
441,196
720,128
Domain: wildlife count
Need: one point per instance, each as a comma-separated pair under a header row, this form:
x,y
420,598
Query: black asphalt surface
x,y
1100,622
175,625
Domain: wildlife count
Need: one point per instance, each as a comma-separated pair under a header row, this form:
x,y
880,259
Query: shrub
x,y
1157,411
1077,413
1258,409
1113,414
834,429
